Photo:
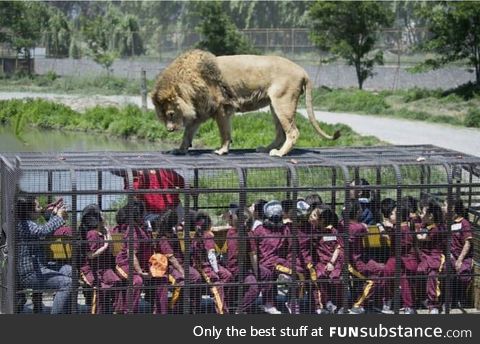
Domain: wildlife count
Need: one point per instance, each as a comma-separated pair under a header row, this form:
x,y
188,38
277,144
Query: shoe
x,y
321,311
331,307
342,311
408,310
293,308
357,310
386,309
433,311
271,310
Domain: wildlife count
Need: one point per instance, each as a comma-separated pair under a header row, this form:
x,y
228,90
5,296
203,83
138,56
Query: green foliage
x,y
220,35
417,93
348,30
472,119
249,131
455,33
351,100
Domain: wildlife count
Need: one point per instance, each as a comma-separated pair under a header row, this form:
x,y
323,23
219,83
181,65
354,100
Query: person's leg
x,y
251,291
62,285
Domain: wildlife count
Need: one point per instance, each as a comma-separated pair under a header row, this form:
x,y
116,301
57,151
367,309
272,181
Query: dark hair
x,y
363,193
411,203
458,208
90,219
355,211
203,222
121,216
287,205
135,210
407,207
327,216
434,209
163,224
25,207
258,207
386,206
314,200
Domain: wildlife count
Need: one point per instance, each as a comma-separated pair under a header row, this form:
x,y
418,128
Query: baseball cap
x,y
273,211
302,208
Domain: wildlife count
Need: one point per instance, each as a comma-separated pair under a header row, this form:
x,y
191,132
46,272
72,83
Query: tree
x,y
21,26
348,30
455,34
220,35
57,34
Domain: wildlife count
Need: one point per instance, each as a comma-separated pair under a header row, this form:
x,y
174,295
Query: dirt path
x,y
395,131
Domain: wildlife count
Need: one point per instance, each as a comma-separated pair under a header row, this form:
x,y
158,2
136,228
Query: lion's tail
x,y
311,115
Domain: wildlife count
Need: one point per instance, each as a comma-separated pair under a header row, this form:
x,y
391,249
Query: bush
x,y
472,119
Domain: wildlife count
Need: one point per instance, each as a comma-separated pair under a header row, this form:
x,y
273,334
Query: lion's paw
x,y
221,151
275,152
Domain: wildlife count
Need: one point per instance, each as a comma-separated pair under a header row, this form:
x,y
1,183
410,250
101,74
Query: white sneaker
x,y
331,307
386,309
271,310
434,311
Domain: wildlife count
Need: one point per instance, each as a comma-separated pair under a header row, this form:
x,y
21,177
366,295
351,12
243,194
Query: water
x,y
36,140
58,141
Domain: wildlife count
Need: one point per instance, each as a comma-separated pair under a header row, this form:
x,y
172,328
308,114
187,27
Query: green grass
x,y
457,106
249,130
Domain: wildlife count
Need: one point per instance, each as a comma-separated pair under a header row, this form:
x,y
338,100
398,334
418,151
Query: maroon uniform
x,y
409,263
330,281
142,246
432,262
251,290
98,272
272,247
200,248
370,271
171,247
461,232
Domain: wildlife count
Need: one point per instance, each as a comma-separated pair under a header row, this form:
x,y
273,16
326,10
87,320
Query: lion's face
x,y
169,112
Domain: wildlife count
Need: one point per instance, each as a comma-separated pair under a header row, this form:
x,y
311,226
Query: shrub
x,y
472,119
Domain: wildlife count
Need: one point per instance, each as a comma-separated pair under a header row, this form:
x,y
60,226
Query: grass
x,y
250,130
457,106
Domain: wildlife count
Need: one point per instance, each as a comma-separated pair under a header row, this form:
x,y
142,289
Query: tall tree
x,y
455,34
348,30
220,35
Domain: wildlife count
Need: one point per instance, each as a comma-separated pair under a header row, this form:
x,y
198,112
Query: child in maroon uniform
x,y
271,244
98,262
167,244
329,258
250,285
408,256
367,270
205,261
461,252
431,239
142,251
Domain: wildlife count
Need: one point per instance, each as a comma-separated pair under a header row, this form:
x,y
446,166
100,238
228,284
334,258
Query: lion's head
x,y
171,108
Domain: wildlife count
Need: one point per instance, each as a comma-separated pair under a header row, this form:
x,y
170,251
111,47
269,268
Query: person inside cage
x,y
271,244
32,269
329,258
363,197
314,200
431,238
157,179
250,284
167,243
121,220
366,270
461,249
97,262
257,213
205,260
408,252
142,251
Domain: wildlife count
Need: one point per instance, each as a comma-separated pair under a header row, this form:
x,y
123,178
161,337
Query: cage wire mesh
x,y
343,230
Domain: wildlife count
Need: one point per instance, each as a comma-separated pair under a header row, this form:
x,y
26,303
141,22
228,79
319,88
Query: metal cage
x,y
212,184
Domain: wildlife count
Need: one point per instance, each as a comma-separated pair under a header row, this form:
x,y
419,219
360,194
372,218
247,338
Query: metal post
x,y
143,90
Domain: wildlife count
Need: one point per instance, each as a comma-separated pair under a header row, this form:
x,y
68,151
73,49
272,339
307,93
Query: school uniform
x,y
251,289
272,247
408,263
329,281
98,272
432,262
200,248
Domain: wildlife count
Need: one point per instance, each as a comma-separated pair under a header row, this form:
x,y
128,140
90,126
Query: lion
x,y
198,86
